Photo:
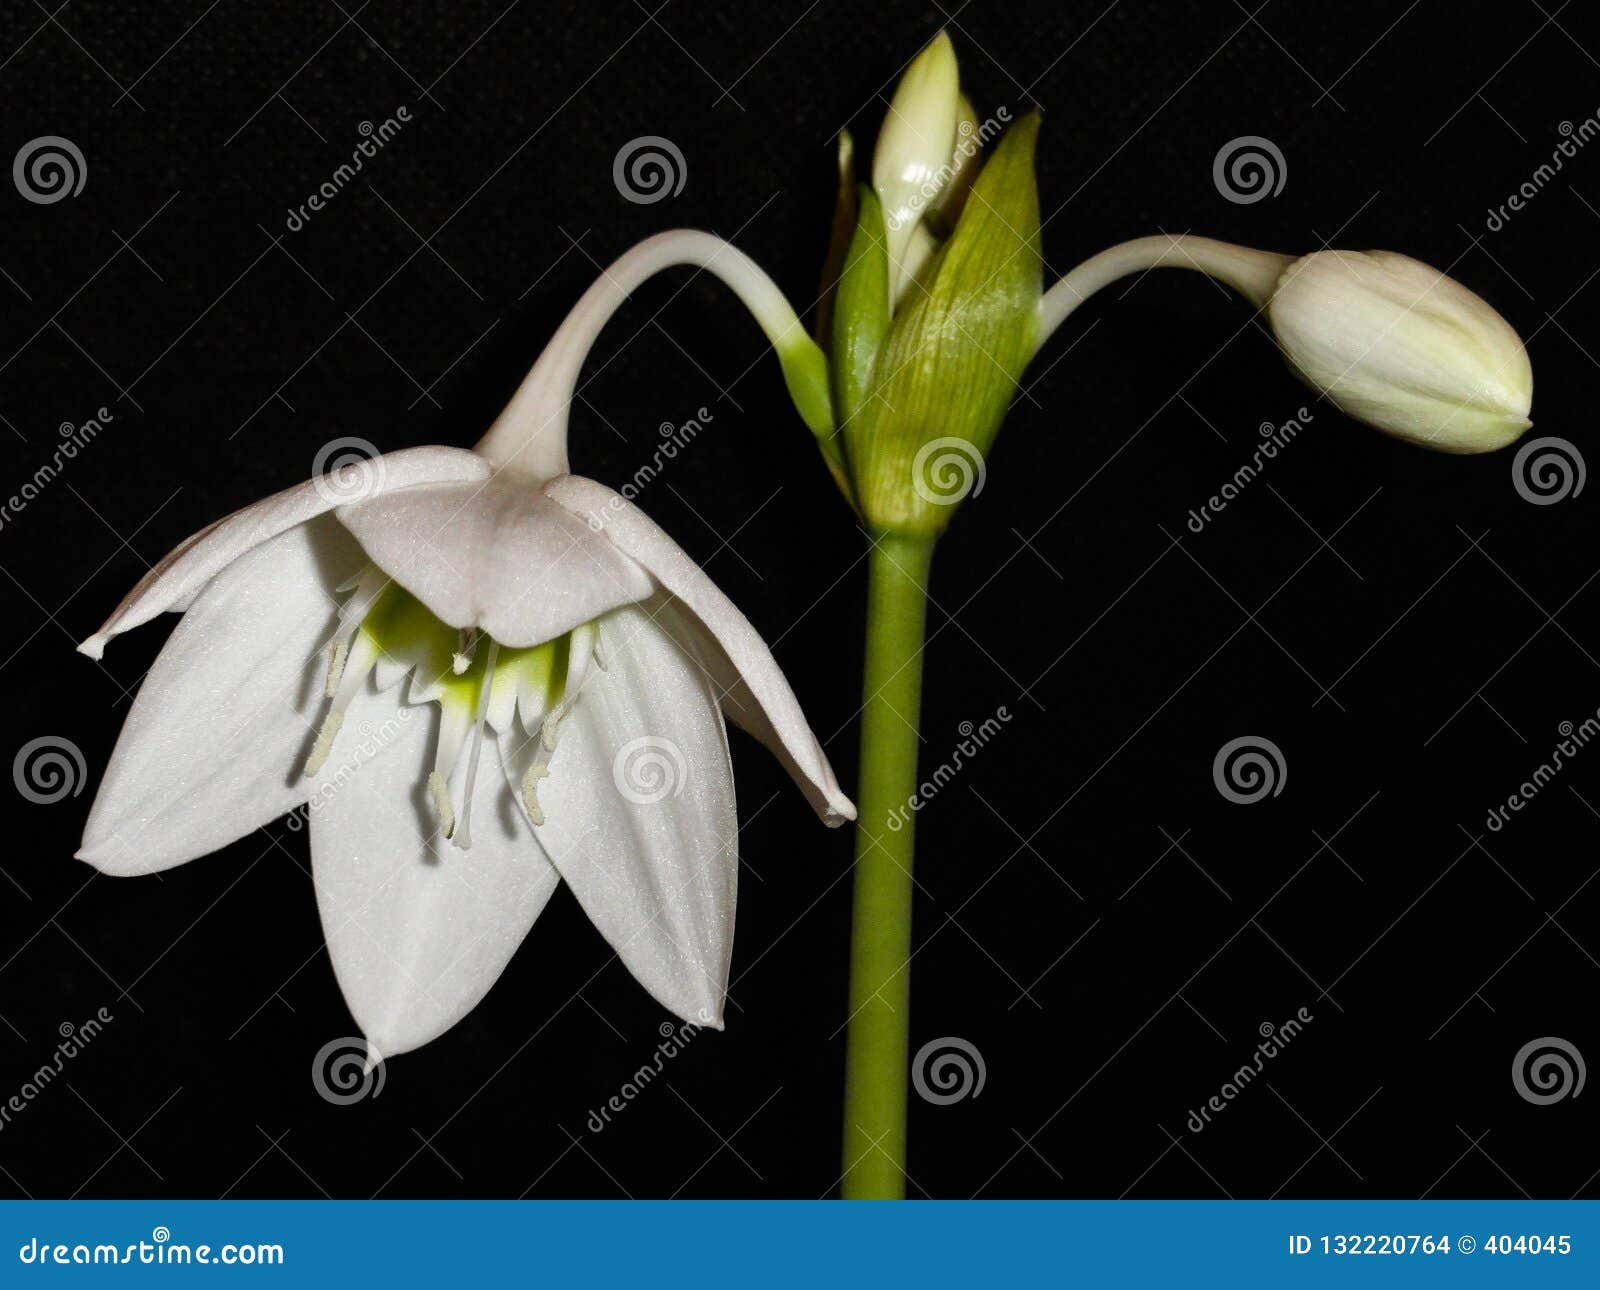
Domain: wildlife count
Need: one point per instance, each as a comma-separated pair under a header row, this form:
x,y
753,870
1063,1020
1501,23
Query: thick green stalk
x,y
877,1041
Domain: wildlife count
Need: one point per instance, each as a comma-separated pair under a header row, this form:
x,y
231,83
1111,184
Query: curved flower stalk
x,y
483,675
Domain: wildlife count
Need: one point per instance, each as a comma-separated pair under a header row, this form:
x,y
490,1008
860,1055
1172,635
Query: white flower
x,y
468,651
915,156
1399,345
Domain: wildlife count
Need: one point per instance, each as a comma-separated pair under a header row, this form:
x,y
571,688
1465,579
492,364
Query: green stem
x,y
877,1042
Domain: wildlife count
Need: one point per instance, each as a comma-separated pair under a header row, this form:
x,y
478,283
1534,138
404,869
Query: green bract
x,y
920,392
861,311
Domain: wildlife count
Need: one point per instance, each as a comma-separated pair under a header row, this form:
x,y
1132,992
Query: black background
x,y
1093,916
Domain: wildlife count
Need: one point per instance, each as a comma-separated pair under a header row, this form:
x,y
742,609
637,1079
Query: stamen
x,y
580,648
441,802
367,586
466,647
462,837
530,788
336,661
358,663
552,726
324,745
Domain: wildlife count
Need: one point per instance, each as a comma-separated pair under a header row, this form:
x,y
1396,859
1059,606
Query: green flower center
x,y
387,633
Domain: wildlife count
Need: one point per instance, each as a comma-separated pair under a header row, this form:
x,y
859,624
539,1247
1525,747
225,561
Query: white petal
x,y
214,741
419,930
195,561
639,815
756,696
499,555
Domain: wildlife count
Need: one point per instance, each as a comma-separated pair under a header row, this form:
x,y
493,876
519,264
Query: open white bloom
x,y
1399,345
483,675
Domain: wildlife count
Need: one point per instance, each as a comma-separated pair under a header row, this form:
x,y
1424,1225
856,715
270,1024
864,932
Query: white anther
x,y
441,803
530,791
336,662
324,743
466,647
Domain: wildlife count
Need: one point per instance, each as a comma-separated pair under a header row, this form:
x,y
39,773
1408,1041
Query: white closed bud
x,y
913,158
1402,347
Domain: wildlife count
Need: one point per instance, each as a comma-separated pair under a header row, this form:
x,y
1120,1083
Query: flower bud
x,y
912,161
964,165
1400,346
920,392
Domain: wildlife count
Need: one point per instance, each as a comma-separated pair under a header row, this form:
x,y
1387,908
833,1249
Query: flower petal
x,y
418,930
639,815
499,556
214,741
756,696
196,560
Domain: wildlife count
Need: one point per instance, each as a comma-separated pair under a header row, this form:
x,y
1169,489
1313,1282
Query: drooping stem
x,y
530,435
1253,274
877,1039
